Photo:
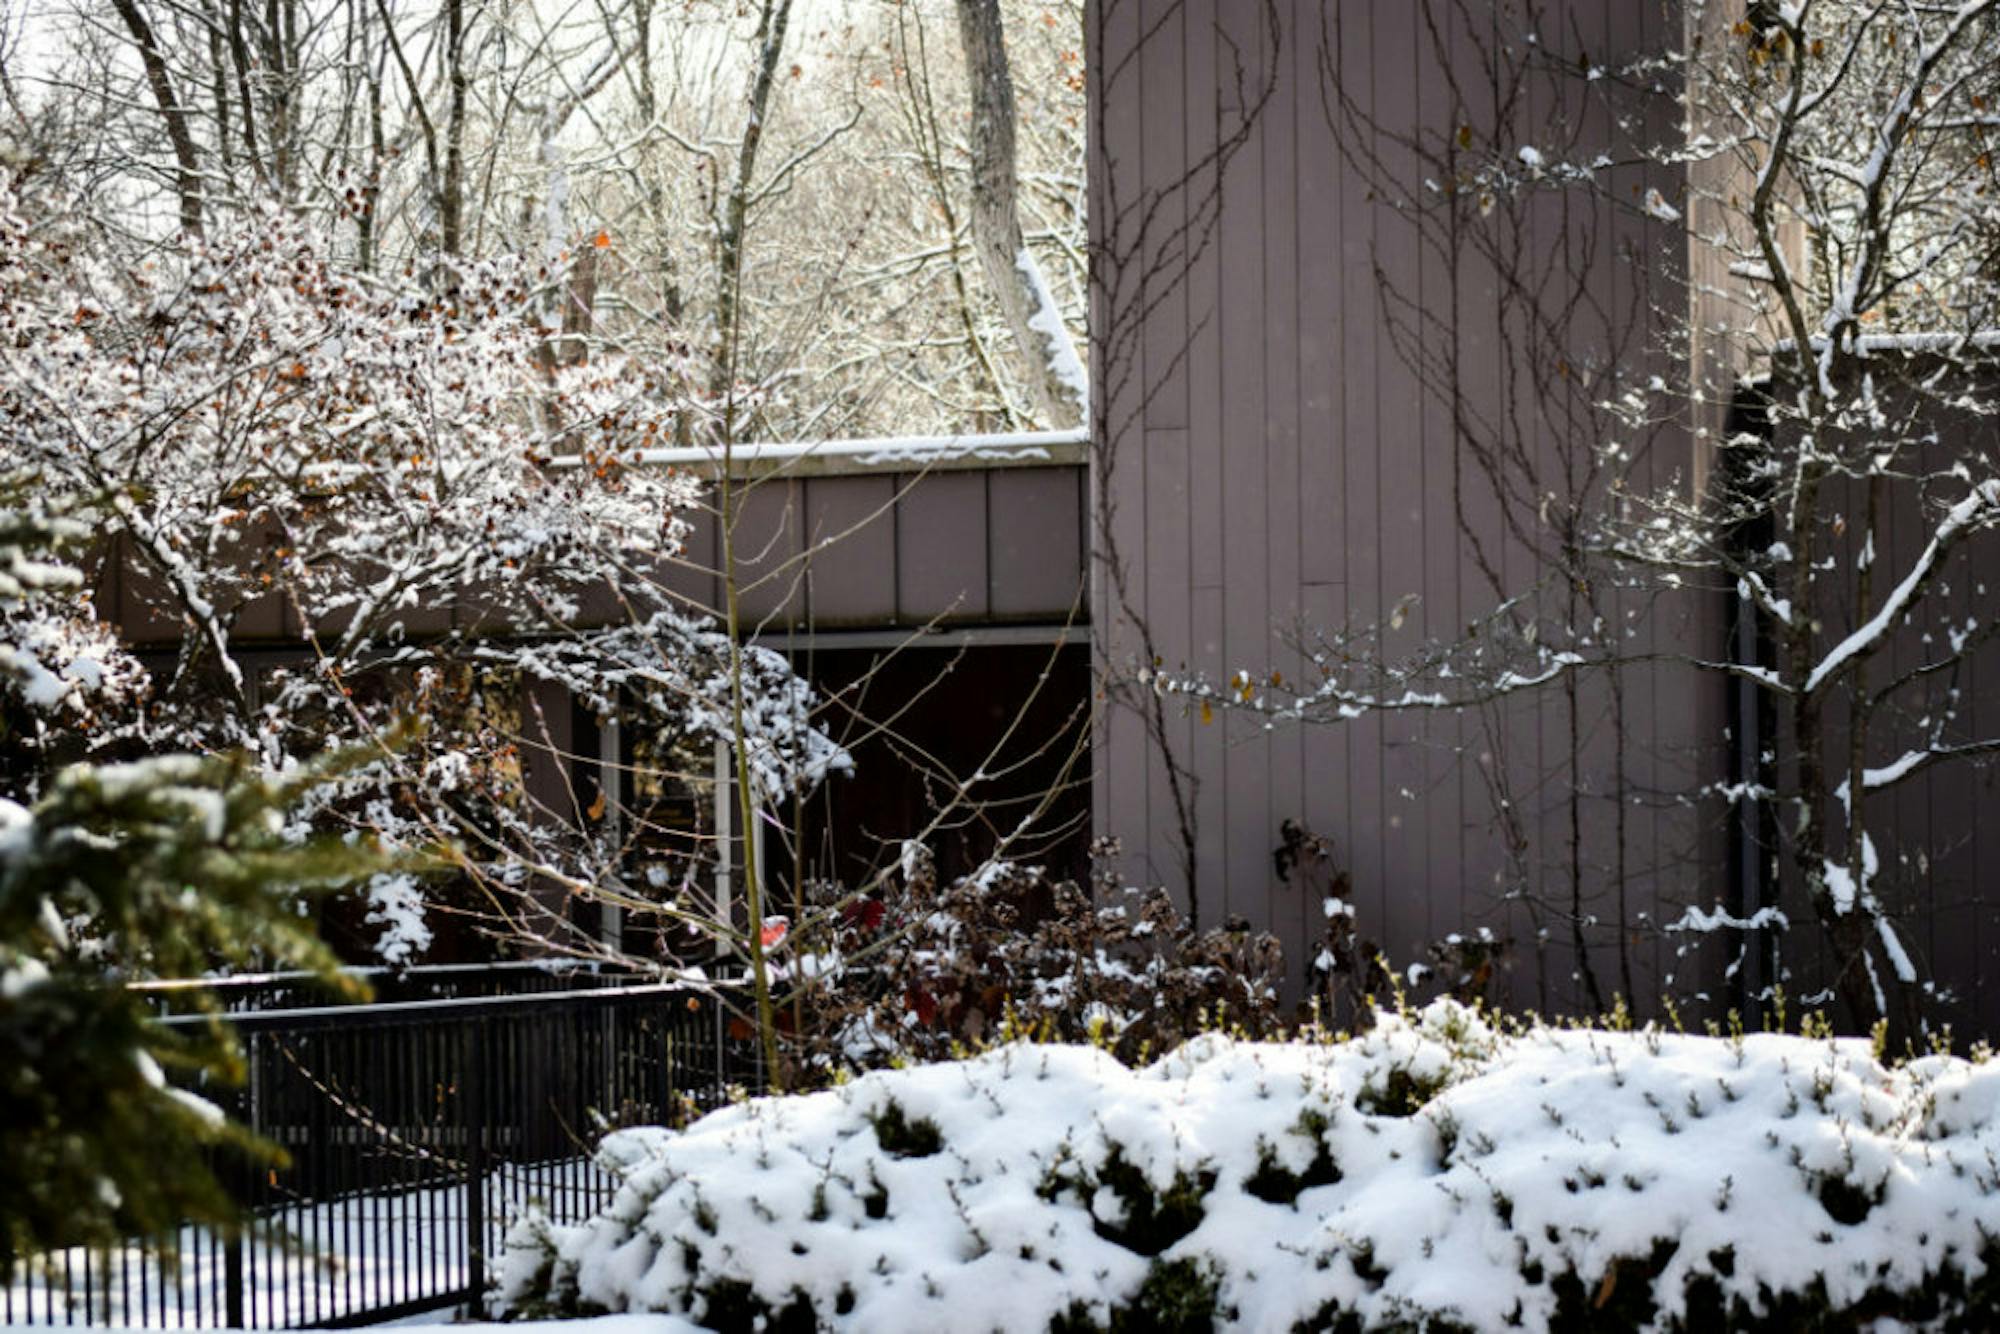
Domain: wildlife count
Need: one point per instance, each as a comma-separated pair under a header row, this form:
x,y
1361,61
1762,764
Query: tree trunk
x,y
1055,374
188,183
239,55
371,185
451,205
280,67
579,305
219,69
771,27
777,16
417,106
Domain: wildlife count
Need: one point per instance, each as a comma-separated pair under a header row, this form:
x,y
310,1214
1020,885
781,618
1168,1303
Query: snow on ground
x,y
316,1262
604,1324
608,1324
1433,1168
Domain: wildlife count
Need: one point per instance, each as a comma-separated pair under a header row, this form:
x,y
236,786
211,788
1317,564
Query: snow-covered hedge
x,y
1435,1173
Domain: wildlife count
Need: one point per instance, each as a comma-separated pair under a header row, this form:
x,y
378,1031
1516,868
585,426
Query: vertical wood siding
x,y
947,547
1933,831
1270,458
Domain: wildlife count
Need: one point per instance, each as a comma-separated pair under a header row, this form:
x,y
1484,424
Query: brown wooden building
x,y
1296,368
1274,462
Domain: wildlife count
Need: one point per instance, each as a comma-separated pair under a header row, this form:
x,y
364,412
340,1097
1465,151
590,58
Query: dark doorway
x,y
921,721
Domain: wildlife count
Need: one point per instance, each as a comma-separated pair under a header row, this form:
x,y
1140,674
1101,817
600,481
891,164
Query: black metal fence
x,y
418,1131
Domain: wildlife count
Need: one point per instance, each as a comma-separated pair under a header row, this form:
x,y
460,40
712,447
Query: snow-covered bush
x,y
68,688
1438,1172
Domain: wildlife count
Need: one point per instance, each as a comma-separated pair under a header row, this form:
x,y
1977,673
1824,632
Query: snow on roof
x,y
909,453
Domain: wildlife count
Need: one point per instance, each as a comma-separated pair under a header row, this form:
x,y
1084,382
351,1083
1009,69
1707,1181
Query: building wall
x,y
871,545
1264,456
1938,831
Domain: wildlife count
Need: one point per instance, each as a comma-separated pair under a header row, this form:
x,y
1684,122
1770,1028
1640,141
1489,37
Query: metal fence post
x,y
474,1118
721,1022
241,1176
232,1279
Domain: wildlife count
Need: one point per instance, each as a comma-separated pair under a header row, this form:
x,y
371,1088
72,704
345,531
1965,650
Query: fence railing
x,y
252,992
418,1131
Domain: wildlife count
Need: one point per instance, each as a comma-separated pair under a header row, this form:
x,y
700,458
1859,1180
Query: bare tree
x,y
412,132
1055,372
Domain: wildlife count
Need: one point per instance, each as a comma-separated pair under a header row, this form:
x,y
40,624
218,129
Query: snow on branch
x,y
1700,921
885,453
1499,655
675,667
1976,510
1911,761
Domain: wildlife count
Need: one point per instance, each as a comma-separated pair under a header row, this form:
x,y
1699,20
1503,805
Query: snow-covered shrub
x,y
397,472
68,688
1438,1172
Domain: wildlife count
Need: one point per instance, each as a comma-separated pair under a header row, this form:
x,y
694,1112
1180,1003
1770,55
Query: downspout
x,y
1749,888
